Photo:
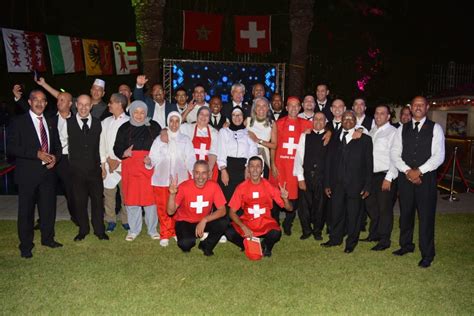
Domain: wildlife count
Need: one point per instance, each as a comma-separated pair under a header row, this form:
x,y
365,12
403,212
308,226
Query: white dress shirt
x,y
62,130
334,124
306,117
235,144
181,110
216,117
188,130
79,120
36,123
192,115
110,127
322,105
159,114
298,170
176,157
348,136
437,149
382,139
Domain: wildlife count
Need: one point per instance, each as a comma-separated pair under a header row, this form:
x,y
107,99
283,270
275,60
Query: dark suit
x,y
36,183
283,113
220,123
367,122
348,173
228,107
138,94
63,174
326,110
84,161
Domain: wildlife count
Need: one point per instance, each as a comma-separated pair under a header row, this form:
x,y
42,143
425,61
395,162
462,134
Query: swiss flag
x,y
202,31
253,34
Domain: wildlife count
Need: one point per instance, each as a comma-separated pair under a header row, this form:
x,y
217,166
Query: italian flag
x,y
65,53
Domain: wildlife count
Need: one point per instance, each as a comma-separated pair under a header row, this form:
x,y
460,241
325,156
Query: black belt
x,y
380,173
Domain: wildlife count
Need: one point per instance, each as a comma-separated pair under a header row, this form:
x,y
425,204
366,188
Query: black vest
x,y
314,154
84,148
417,145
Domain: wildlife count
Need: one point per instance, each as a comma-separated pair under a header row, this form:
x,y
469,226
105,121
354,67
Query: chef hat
x,y
99,82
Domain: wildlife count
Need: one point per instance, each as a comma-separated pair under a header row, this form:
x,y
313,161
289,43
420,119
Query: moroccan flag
x,y
24,50
98,56
202,31
253,34
125,58
65,53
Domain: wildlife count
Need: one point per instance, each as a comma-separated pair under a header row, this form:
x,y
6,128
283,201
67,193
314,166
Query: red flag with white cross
x,y
253,34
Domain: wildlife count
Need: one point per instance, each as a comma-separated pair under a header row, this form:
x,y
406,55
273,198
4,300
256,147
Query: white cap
x,y
99,82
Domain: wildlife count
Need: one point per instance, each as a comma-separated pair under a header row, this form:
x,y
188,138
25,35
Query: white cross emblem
x,y
252,34
199,204
201,151
290,145
291,128
255,195
256,211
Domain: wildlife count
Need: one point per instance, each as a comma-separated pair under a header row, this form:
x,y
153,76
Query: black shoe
x,y
402,251
103,236
206,252
348,250
369,239
79,237
26,254
424,263
287,230
318,236
53,244
305,236
379,247
329,244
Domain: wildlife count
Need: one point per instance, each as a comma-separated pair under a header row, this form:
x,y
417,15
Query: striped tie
x,y
44,136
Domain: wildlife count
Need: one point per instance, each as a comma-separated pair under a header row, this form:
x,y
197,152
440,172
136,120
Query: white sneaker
x,y
130,237
223,239
204,236
175,238
155,236
164,242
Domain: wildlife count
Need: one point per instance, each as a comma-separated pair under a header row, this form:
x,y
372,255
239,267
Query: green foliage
x,y
301,278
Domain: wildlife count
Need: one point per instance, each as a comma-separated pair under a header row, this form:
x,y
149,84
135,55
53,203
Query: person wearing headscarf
x,y
132,145
172,159
204,138
234,148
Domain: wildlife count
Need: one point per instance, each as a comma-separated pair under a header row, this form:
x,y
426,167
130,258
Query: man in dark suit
x,y
158,107
84,137
338,107
347,182
217,119
237,93
323,104
277,110
359,107
34,142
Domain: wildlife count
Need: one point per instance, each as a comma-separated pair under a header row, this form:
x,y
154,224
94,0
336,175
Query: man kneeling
x,y
192,202
255,197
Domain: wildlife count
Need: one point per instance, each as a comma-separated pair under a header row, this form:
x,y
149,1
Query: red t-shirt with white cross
x,y
256,201
193,203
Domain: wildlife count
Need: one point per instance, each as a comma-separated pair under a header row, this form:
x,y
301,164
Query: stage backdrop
x,y
218,77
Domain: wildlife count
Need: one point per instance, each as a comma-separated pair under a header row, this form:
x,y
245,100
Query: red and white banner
x,y
202,31
253,34
24,50
125,58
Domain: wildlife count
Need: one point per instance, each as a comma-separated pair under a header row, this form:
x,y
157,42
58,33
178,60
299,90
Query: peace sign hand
x,y
173,188
283,191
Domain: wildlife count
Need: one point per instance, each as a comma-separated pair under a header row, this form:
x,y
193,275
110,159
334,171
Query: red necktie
x,y
44,136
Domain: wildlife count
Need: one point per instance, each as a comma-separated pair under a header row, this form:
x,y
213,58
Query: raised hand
x,y
17,93
142,80
173,188
40,82
283,191
128,152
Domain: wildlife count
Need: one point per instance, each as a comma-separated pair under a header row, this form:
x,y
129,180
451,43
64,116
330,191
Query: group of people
x,y
225,172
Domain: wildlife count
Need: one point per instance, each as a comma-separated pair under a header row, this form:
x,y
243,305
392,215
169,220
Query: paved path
x,y
8,206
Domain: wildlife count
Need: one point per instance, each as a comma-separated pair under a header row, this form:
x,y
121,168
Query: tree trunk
x,y
301,24
149,31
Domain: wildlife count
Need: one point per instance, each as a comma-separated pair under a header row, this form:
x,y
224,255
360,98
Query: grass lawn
x,y
140,277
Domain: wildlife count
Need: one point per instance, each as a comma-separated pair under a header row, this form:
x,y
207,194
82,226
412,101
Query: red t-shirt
x,y
195,203
256,201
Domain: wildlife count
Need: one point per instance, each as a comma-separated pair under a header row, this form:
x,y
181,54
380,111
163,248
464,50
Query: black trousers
x,y
236,170
345,217
63,173
312,205
40,192
379,206
186,234
89,185
422,198
289,216
269,239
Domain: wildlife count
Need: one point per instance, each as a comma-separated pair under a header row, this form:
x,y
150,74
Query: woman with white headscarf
x,y
132,144
174,159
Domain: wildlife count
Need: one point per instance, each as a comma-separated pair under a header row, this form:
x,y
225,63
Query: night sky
x,y
411,36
